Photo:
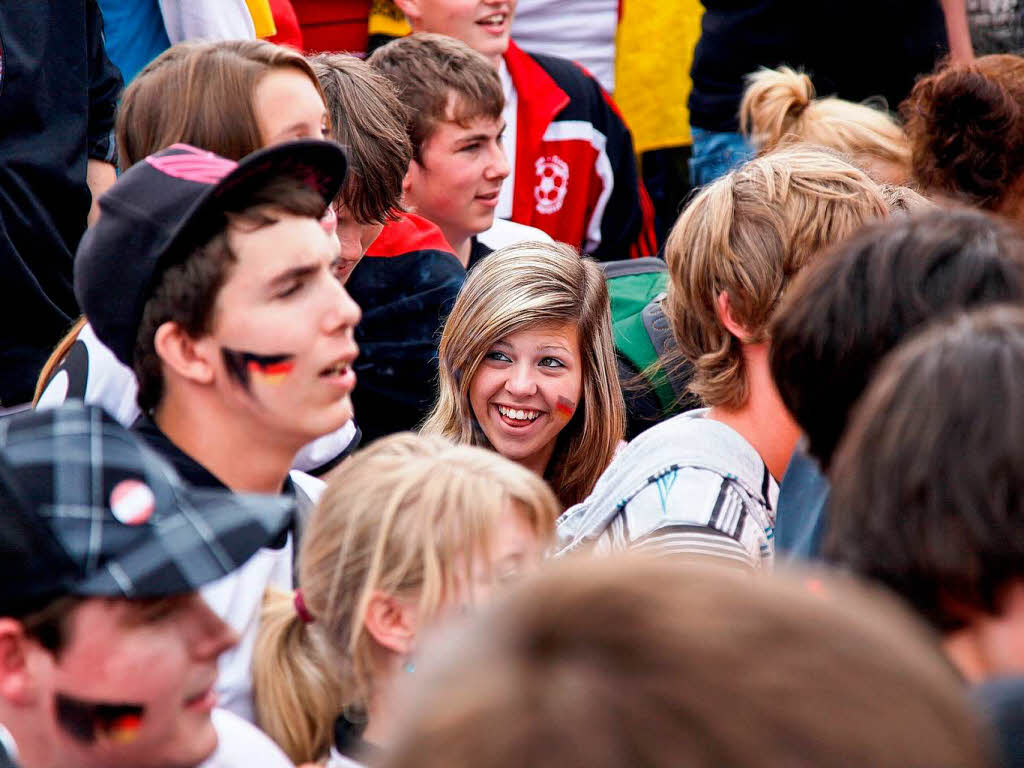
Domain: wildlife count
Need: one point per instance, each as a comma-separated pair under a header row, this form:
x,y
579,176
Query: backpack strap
x,y
658,328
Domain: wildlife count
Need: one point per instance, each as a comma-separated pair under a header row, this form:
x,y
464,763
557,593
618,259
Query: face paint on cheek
x,y
243,366
88,721
564,409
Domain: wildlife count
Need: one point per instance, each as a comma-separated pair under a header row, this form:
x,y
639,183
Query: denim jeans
x,y
715,154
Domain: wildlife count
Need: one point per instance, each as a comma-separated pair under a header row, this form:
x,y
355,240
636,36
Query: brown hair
x,y
369,121
404,516
868,293
748,234
200,93
614,662
779,107
186,292
966,127
439,79
928,481
523,286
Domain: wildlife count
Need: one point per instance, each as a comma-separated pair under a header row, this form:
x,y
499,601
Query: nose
x,y
341,313
498,167
521,381
211,634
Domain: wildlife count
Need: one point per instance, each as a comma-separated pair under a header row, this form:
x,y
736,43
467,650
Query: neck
x,y
379,719
762,420
212,438
989,645
461,244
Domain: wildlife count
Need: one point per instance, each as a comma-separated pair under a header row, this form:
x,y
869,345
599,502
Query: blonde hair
x,y
779,108
525,286
748,234
403,516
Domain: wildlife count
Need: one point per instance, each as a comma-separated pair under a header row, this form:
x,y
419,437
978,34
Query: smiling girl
x,y
527,366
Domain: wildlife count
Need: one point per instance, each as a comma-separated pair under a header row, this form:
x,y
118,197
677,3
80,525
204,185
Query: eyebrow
x,y
483,136
557,347
295,273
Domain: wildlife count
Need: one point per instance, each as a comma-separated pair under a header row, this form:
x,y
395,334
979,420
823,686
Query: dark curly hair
x,y
966,128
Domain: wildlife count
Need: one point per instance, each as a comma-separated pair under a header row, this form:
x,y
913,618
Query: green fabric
x,y
629,295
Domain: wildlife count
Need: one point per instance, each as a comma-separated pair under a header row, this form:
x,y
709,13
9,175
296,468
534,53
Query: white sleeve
x,y
207,20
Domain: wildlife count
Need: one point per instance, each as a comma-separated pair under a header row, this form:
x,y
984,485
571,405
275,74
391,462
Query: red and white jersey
x,y
575,175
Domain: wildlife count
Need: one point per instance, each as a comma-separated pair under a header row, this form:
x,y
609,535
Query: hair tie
x,y
301,609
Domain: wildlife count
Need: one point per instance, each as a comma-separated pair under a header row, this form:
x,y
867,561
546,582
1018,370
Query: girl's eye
x,y
501,357
552,362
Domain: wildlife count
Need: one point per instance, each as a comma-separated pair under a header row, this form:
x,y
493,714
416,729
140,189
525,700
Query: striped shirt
x,y
690,485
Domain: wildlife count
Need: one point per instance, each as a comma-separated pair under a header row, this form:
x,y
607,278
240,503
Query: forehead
x,y
460,120
553,334
279,240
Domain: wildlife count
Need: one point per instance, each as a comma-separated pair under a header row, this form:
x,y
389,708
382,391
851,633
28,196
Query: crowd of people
x,y
370,413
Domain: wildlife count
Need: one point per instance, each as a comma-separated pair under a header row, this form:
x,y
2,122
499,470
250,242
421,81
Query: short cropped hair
x,y
368,119
928,482
748,234
614,662
186,293
867,294
439,79
966,127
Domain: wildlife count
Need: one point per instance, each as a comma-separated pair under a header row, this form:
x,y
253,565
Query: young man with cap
x,y
108,655
572,169
213,280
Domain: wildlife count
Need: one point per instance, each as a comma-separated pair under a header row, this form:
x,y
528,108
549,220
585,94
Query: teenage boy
x,y
214,281
705,482
928,486
413,271
572,170
454,103
108,655
843,315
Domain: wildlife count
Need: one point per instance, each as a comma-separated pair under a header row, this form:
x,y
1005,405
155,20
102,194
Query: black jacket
x,y
58,93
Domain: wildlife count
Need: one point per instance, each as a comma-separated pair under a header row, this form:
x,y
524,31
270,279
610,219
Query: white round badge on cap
x,y
132,502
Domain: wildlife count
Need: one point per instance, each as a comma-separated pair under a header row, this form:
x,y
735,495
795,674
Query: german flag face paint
x,y
564,408
89,721
248,366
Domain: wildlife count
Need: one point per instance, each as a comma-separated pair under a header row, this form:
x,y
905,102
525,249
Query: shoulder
x,y
240,744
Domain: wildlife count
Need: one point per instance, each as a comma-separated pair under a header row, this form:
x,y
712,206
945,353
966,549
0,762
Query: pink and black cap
x,y
166,205
89,510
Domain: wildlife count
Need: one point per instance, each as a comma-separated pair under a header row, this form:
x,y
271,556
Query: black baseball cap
x,y
90,510
167,204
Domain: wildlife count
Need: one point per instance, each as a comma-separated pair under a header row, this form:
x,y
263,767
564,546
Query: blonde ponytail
x,y
774,101
296,693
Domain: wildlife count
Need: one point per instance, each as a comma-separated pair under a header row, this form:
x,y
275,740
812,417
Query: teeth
x,y
518,415
336,370
498,18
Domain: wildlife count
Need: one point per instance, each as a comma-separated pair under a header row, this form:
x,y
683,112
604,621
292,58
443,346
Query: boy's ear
x,y
391,623
189,358
724,310
18,684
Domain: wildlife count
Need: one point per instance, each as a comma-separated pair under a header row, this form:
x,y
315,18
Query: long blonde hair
x,y
404,517
779,108
524,286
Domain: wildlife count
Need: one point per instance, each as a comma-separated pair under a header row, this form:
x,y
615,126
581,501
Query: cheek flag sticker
x,y
565,408
272,369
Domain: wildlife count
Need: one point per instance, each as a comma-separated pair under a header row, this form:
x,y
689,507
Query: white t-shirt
x,y
504,233
241,744
580,30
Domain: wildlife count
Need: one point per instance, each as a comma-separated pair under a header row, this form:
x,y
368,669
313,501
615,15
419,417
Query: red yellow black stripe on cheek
x,y
244,367
88,721
565,408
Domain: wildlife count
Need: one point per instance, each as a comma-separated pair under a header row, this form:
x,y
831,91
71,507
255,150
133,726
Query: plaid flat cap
x,y
89,510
